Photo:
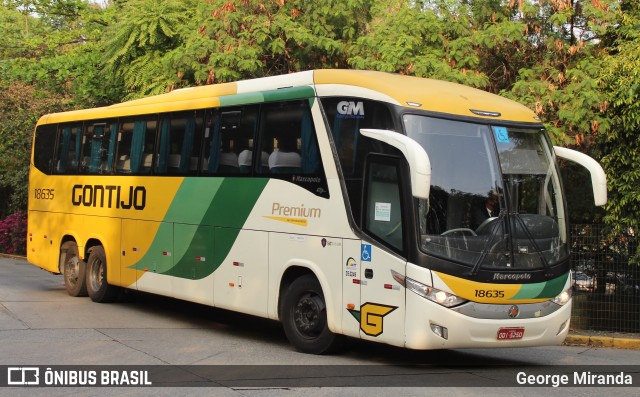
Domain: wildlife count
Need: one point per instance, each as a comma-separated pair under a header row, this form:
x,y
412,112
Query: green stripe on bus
x,y
201,246
242,99
529,291
554,287
548,289
286,94
283,94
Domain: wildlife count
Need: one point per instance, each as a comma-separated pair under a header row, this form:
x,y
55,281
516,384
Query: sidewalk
x,y
603,339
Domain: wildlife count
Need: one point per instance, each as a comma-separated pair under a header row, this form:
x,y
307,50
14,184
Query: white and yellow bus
x,y
408,211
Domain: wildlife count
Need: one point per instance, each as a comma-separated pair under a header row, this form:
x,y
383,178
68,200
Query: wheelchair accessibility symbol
x,y
502,136
365,253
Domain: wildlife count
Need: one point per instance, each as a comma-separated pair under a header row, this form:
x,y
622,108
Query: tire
x,y
73,269
304,317
97,287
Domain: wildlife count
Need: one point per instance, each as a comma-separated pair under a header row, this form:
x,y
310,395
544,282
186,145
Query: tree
x,y
620,146
49,63
547,55
139,44
425,39
55,45
253,38
22,105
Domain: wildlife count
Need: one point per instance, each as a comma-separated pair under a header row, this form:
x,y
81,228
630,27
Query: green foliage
x,y
22,105
57,48
138,45
251,38
621,146
423,41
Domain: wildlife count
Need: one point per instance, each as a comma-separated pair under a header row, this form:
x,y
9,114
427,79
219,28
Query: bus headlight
x,y
563,298
433,294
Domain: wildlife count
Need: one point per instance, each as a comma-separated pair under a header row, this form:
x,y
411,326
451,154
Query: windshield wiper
x,y
543,260
485,251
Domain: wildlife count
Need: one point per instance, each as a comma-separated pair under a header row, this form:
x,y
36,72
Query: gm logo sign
x,y
350,110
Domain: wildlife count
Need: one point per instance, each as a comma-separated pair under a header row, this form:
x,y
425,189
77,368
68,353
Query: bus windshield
x,y
495,200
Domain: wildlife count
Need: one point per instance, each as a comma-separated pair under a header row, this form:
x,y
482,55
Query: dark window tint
x,y
69,148
287,134
43,147
179,143
229,137
346,116
98,147
136,140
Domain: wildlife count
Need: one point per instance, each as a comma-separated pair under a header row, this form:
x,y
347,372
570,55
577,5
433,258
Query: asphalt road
x,y
40,325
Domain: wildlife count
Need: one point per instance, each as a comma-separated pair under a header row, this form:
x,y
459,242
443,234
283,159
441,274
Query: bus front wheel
x,y
73,269
304,317
99,290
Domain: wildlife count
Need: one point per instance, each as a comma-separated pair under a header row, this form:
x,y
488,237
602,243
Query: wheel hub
x,y
71,270
307,315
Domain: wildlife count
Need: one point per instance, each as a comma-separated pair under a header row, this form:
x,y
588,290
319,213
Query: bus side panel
x,y
351,279
321,255
42,249
241,281
193,263
383,307
145,260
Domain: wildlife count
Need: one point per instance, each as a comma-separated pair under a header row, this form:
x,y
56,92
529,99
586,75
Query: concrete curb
x,y
10,256
602,341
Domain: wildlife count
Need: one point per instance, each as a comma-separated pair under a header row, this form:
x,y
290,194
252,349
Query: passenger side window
x,y
44,145
287,134
180,143
228,143
97,148
136,141
69,147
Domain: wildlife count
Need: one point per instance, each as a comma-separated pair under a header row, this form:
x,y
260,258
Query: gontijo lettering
x,y
109,196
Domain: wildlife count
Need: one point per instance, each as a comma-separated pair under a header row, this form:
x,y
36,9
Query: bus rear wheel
x,y
99,290
304,317
73,269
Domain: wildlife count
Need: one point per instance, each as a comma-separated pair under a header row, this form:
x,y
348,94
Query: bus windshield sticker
x,y
502,136
383,212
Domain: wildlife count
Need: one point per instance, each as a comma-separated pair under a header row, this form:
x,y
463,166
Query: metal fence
x,y
606,270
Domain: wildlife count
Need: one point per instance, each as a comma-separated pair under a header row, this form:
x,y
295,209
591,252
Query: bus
x,y
342,203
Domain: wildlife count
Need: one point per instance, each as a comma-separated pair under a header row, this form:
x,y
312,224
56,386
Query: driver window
x,y
383,208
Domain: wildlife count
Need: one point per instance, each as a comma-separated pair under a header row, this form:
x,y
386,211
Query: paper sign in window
x,y
383,212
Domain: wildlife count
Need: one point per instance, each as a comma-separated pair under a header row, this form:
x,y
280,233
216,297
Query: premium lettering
x,y
283,210
109,196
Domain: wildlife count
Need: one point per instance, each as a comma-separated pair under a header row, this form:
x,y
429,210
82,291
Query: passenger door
x,y
382,298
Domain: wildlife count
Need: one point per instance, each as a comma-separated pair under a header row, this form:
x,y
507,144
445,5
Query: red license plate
x,y
510,333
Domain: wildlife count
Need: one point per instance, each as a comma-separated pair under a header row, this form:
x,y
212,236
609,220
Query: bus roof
x,y
412,92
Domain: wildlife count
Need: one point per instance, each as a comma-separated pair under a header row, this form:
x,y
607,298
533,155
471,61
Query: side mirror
x,y
598,177
419,164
